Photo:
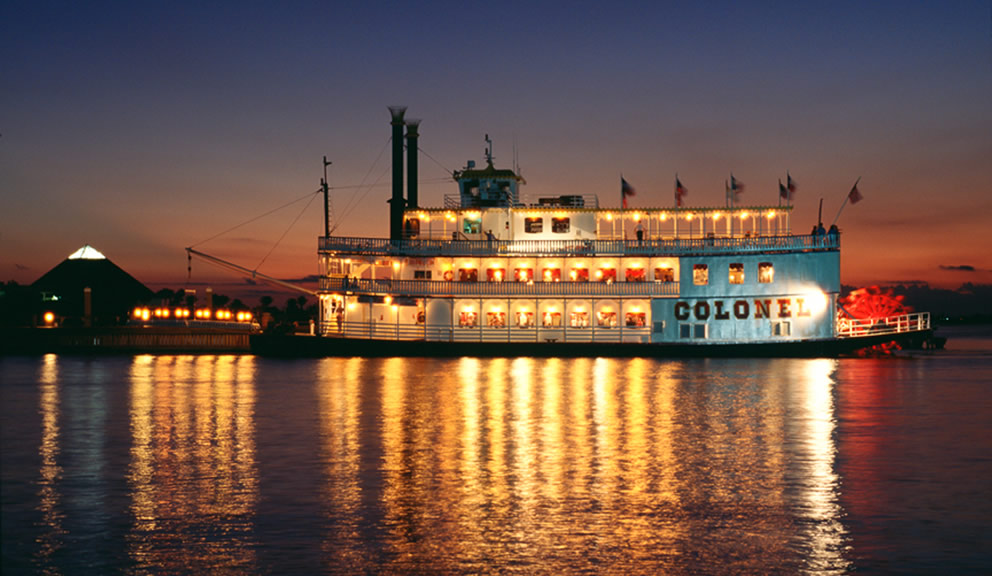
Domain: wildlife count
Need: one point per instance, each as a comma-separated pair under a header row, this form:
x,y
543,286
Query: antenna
x,y
328,210
489,150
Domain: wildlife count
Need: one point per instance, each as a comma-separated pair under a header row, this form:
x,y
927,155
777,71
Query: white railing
x,y
525,248
391,331
855,327
486,289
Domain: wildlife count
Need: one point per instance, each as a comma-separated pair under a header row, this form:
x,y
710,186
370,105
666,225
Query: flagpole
x,y
846,198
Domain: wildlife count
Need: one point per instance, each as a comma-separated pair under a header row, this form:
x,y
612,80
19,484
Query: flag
x,y
783,192
736,186
854,196
790,184
680,191
625,190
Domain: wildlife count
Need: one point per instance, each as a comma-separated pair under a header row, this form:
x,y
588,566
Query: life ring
x,y
448,275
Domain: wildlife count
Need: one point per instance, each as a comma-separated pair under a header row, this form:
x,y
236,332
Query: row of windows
x,y
469,319
783,328
735,273
536,225
608,275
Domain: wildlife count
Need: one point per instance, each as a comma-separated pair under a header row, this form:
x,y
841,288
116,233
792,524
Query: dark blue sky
x,y
141,128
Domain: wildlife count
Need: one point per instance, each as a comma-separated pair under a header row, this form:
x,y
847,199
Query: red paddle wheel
x,y
867,307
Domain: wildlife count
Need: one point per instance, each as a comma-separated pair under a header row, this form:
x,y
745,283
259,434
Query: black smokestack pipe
x,y
411,163
396,204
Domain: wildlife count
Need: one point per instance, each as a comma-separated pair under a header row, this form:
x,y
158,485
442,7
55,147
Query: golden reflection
x,y
192,462
50,472
339,397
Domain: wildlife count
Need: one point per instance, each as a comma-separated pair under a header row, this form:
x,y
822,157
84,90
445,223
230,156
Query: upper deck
x,y
421,248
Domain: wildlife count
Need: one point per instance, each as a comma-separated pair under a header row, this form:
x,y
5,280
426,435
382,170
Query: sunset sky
x,y
142,128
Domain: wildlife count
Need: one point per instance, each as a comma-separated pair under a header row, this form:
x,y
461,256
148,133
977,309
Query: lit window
x,y
496,319
495,274
606,319
523,274
635,319
766,272
559,225
468,275
468,319
664,275
552,274
736,273
579,274
472,225
551,319
700,274
635,275
579,319
421,274
607,275
533,225
525,319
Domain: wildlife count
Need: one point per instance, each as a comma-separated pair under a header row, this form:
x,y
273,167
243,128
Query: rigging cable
x,y
293,223
310,195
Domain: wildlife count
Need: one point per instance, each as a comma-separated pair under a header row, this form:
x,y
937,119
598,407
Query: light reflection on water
x,y
451,466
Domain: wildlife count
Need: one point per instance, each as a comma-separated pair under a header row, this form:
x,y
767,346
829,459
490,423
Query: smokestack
x,y
411,163
396,204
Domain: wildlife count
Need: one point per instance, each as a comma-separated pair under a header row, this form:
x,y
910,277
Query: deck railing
x,y
482,333
578,247
485,289
855,327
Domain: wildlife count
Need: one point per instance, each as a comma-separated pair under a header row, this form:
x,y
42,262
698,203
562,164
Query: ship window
x,y
468,275
412,228
468,319
533,225
635,275
421,274
606,319
552,275
736,273
525,319
700,274
472,225
766,272
559,225
523,274
552,319
579,319
579,274
607,275
685,330
664,275
782,329
496,319
699,330
636,319
659,327
495,274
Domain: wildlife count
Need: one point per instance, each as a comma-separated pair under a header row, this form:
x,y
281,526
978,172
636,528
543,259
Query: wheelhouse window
x,y
472,224
700,274
468,274
664,275
606,319
560,225
736,274
468,319
525,319
523,274
551,275
635,275
579,274
495,274
533,225
766,272
608,275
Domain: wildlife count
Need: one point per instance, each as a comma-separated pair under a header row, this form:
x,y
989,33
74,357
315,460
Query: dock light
x,y
49,317
146,314
137,312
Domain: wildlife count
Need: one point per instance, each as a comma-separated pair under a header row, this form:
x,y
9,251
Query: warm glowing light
x,y
146,314
636,309
352,305
771,214
396,265
609,216
743,215
496,309
395,307
467,308
688,216
389,300
599,273
49,317
637,216
580,309
637,265
663,217
815,301
716,216
137,313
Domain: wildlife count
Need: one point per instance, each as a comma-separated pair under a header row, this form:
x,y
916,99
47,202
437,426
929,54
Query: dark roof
x,y
487,172
113,291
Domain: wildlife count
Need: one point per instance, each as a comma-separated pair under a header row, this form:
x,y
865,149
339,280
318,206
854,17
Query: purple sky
x,y
141,130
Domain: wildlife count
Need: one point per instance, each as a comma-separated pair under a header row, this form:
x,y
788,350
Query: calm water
x,y
236,464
